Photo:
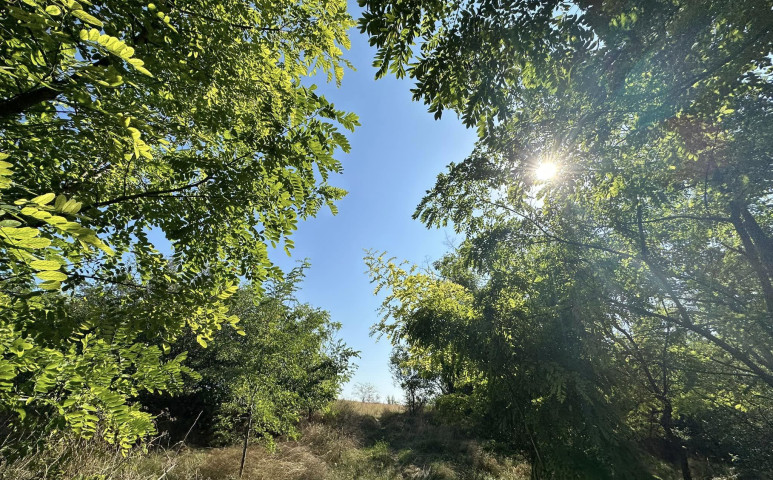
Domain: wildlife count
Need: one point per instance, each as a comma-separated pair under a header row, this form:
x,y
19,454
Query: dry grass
x,y
368,408
352,441
394,445
292,462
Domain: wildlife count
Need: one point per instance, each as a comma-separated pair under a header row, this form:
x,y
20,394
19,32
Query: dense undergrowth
x,y
349,441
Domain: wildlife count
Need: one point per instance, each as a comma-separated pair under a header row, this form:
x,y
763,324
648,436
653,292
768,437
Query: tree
x,y
483,60
653,114
426,317
284,363
602,132
125,122
528,363
366,392
418,387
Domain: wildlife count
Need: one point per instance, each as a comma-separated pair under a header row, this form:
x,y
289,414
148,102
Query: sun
x,y
545,171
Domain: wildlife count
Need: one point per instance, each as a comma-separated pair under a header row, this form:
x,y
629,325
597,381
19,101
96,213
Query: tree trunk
x,y
246,441
761,239
685,463
677,449
755,252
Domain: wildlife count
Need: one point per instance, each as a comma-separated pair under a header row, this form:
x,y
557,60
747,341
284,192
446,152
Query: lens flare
x,y
545,171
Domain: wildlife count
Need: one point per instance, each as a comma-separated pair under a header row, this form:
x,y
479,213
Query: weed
x,y
349,441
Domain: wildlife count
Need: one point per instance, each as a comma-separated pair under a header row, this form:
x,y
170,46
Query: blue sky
x,y
396,155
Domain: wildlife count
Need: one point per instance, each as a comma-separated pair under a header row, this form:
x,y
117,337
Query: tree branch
x,y
153,193
21,102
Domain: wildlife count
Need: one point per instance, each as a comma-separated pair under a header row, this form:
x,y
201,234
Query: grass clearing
x,y
351,441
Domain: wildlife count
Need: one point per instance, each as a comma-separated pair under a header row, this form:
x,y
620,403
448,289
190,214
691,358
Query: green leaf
x,y
70,206
34,243
51,275
60,201
138,65
45,265
7,371
19,234
87,17
44,199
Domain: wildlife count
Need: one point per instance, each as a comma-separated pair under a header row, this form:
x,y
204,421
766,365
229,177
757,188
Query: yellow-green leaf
x,y
138,65
51,275
60,201
71,206
35,243
44,199
87,18
50,285
45,265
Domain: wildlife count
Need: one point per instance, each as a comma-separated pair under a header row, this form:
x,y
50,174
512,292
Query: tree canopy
x,y
644,251
129,131
286,363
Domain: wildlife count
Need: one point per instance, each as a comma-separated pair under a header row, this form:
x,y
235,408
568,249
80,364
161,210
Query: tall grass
x,y
350,441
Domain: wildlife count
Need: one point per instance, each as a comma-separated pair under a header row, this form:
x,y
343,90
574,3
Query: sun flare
x,y
545,171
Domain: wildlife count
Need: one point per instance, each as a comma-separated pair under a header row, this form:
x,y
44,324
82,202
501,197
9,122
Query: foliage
x,y
485,60
431,313
131,127
283,363
530,371
65,365
417,388
634,286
